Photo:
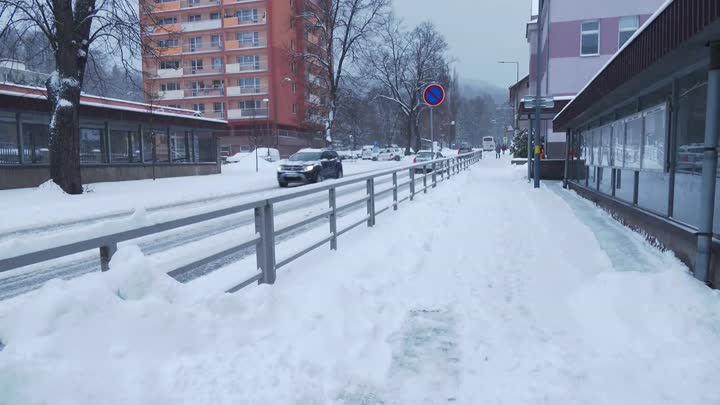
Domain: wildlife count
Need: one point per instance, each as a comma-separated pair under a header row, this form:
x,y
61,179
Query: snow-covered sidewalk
x,y
449,300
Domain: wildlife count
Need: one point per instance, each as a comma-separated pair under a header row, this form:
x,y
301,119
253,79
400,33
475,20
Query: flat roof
x,y
674,24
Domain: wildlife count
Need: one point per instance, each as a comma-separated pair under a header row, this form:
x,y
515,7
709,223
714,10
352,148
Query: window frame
x,y
583,33
621,30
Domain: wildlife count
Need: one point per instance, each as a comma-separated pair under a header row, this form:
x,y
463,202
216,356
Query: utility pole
x,y
538,89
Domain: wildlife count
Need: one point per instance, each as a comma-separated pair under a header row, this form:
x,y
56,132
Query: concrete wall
x,y
33,176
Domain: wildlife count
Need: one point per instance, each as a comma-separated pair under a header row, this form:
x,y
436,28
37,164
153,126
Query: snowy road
x,y
449,300
29,279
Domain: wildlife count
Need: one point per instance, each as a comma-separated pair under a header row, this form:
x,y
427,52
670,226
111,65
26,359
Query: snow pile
x,y
50,189
246,164
459,308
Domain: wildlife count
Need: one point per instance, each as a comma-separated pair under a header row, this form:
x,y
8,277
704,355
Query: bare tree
x,y
336,30
405,63
73,28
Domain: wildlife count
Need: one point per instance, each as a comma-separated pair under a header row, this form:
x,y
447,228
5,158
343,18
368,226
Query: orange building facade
x,y
233,60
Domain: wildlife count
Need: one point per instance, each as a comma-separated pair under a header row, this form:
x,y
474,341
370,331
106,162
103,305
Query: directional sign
x,y
544,102
434,95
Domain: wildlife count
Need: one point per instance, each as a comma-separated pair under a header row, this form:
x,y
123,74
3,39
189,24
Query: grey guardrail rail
x,y
265,232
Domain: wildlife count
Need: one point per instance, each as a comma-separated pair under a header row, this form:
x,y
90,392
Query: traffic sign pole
x,y
434,95
432,132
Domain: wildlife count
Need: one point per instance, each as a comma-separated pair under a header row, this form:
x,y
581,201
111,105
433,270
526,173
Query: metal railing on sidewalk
x,y
264,240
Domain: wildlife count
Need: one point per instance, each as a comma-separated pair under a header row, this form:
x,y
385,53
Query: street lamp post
x,y
267,104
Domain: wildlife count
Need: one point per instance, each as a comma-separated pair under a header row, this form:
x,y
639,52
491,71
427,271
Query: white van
x,y
488,144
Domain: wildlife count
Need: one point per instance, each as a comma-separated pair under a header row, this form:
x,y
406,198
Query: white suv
x,y
391,154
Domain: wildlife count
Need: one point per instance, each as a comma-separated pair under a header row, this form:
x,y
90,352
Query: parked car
x,y
426,156
464,149
488,144
368,152
310,166
390,154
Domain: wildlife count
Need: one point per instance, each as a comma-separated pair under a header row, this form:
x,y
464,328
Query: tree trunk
x,y
410,137
72,31
64,144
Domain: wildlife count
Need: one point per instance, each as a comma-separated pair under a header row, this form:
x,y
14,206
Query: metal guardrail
x,y
265,231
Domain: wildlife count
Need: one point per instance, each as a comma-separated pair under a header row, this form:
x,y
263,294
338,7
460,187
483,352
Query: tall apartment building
x,y
578,38
232,59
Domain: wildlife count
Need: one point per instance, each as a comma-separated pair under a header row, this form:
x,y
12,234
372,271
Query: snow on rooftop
x,y
106,102
637,33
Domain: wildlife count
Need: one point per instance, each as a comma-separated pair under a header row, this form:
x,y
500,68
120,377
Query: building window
x,y
292,44
169,64
214,16
35,138
9,150
174,105
195,18
193,2
294,108
250,60
293,67
218,84
91,145
590,38
215,41
250,83
168,43
167,21
247,16
249,38
217,63
294,88
195,44
169,86
218,107
628,26
249,104
196,64
199,108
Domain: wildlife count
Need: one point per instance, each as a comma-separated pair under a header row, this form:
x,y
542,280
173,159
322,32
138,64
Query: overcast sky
x,y
479,32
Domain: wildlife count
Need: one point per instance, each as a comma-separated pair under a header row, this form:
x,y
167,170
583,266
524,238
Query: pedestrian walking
x,y
504,148
497,152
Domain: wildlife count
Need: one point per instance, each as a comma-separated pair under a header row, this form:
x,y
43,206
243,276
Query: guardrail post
x,y
412,183
106,254
333,219
424,179
442,170
371,202
265,248
395,192
434,175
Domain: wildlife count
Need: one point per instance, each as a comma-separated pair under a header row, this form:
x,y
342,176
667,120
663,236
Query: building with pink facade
x,y
578,38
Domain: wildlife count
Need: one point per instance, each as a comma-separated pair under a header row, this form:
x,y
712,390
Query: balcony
x,y
174,50
240,68
170,94
247,114
230,22
201,25
214,114
165,29
237,45
217,47
230,2
168,73
203,71
199,3
204,92
169,6
246,91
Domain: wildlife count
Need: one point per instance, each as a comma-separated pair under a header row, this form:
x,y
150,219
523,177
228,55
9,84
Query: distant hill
x,y
474,87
